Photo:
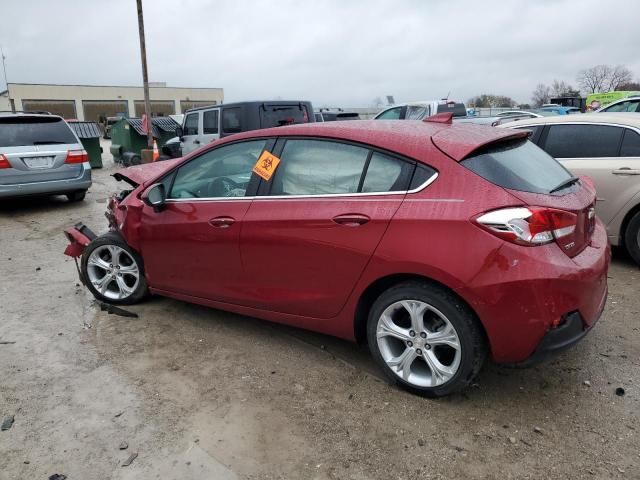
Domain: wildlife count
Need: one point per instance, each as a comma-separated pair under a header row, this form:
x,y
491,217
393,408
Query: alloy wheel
x,y
113,272
418,343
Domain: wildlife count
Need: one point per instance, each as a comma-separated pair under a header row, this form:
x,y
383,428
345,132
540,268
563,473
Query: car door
x,y
210,126
190,131
315,224
191,246
594,150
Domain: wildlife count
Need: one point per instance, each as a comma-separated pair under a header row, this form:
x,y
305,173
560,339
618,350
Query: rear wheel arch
x,y
375,289
625,222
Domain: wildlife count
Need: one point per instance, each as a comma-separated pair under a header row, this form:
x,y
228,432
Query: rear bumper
x,y
50,187
559,339
524,291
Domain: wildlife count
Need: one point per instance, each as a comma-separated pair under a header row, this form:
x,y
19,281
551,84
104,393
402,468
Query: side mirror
x,y
155,196
179,132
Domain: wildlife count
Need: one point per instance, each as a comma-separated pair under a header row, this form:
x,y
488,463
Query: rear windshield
x,y
518,165
23,131
277,115
458,109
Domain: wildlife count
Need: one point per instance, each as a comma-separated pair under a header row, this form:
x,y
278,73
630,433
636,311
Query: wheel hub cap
x,y
113,272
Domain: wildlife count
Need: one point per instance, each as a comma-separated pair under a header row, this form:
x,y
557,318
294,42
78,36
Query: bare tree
x,y
559,88
619,76
541,95
594,79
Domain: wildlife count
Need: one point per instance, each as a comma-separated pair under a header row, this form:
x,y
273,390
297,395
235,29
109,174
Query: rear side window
x,y
630,144
583,141
315,167
386,174
23,131
231,120
420,176
518,165
278,115
417,112
535,132
191,124
210,122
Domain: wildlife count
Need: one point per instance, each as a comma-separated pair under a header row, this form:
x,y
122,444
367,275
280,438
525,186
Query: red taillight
x,y
528,225
4,162
77,156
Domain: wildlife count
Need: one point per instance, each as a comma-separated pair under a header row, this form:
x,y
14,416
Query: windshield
x,y
518,165
22,131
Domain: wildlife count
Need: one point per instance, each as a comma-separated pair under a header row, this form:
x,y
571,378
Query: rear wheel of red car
x,y
632,238
425,339
113,272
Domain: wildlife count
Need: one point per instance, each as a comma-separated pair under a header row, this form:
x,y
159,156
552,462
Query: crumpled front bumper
x,y
79,237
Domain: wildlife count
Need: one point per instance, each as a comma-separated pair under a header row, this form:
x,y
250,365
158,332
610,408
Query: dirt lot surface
x,y
203,394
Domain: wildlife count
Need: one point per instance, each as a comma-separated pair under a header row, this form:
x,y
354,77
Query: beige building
x,y
95,102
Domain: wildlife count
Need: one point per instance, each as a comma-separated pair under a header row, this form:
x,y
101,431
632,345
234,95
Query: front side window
x,y
583,141
391,114
210,122
222,172
316,167
191,124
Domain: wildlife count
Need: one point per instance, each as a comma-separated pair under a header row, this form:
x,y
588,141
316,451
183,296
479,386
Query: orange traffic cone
x,y
156,153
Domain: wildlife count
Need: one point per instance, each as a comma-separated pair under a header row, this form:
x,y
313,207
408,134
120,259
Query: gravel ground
x,y
199,393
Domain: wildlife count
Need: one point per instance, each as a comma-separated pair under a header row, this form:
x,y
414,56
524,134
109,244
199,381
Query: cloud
x,y
332,52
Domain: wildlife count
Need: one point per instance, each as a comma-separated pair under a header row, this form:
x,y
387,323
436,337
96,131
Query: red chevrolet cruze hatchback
x,y
439,244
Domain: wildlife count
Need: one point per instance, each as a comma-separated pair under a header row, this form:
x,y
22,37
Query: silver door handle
x,y
626,171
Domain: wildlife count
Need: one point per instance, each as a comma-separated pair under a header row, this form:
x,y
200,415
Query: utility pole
x,y
6,81
145,77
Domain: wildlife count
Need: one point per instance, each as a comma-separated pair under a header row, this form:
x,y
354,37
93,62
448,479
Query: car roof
x,y
623,118
412,138
28,115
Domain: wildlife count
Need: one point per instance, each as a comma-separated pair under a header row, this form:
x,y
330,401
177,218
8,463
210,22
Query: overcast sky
x,y
332,52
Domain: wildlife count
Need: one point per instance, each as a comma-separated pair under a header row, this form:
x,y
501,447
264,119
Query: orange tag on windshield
x,y
266,165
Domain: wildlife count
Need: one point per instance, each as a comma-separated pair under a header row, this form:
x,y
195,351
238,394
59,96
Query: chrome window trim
x,y
428,182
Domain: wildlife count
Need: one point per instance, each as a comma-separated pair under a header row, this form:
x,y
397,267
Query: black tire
x,y
632,238
141,289
76,196
473,344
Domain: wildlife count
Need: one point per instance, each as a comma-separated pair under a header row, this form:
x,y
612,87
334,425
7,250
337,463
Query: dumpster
x,y
89,134
128,138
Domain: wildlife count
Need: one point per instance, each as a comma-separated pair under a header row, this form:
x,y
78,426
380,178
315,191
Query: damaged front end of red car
x,y
79,237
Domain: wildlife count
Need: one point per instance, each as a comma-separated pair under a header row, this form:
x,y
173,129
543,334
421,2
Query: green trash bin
x,y
89,134
128,138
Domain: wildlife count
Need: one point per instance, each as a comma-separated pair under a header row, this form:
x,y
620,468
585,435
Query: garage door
x,y
158,109
64,108
98,110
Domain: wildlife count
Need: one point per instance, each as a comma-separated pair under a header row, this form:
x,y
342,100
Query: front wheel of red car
x,y
113,272
426,339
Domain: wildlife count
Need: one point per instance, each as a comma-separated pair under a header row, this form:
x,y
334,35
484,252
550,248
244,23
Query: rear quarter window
x,y
518,165
23,131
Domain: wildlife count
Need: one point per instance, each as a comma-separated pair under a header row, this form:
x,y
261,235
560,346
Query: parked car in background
x,y
605,147
438,243
422,109
41,155
205,124
559,109
629,104
318,116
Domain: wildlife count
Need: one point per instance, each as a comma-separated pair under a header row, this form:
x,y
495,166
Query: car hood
x,y
146,173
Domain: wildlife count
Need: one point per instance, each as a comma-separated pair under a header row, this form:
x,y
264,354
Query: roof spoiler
x,y
445,117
